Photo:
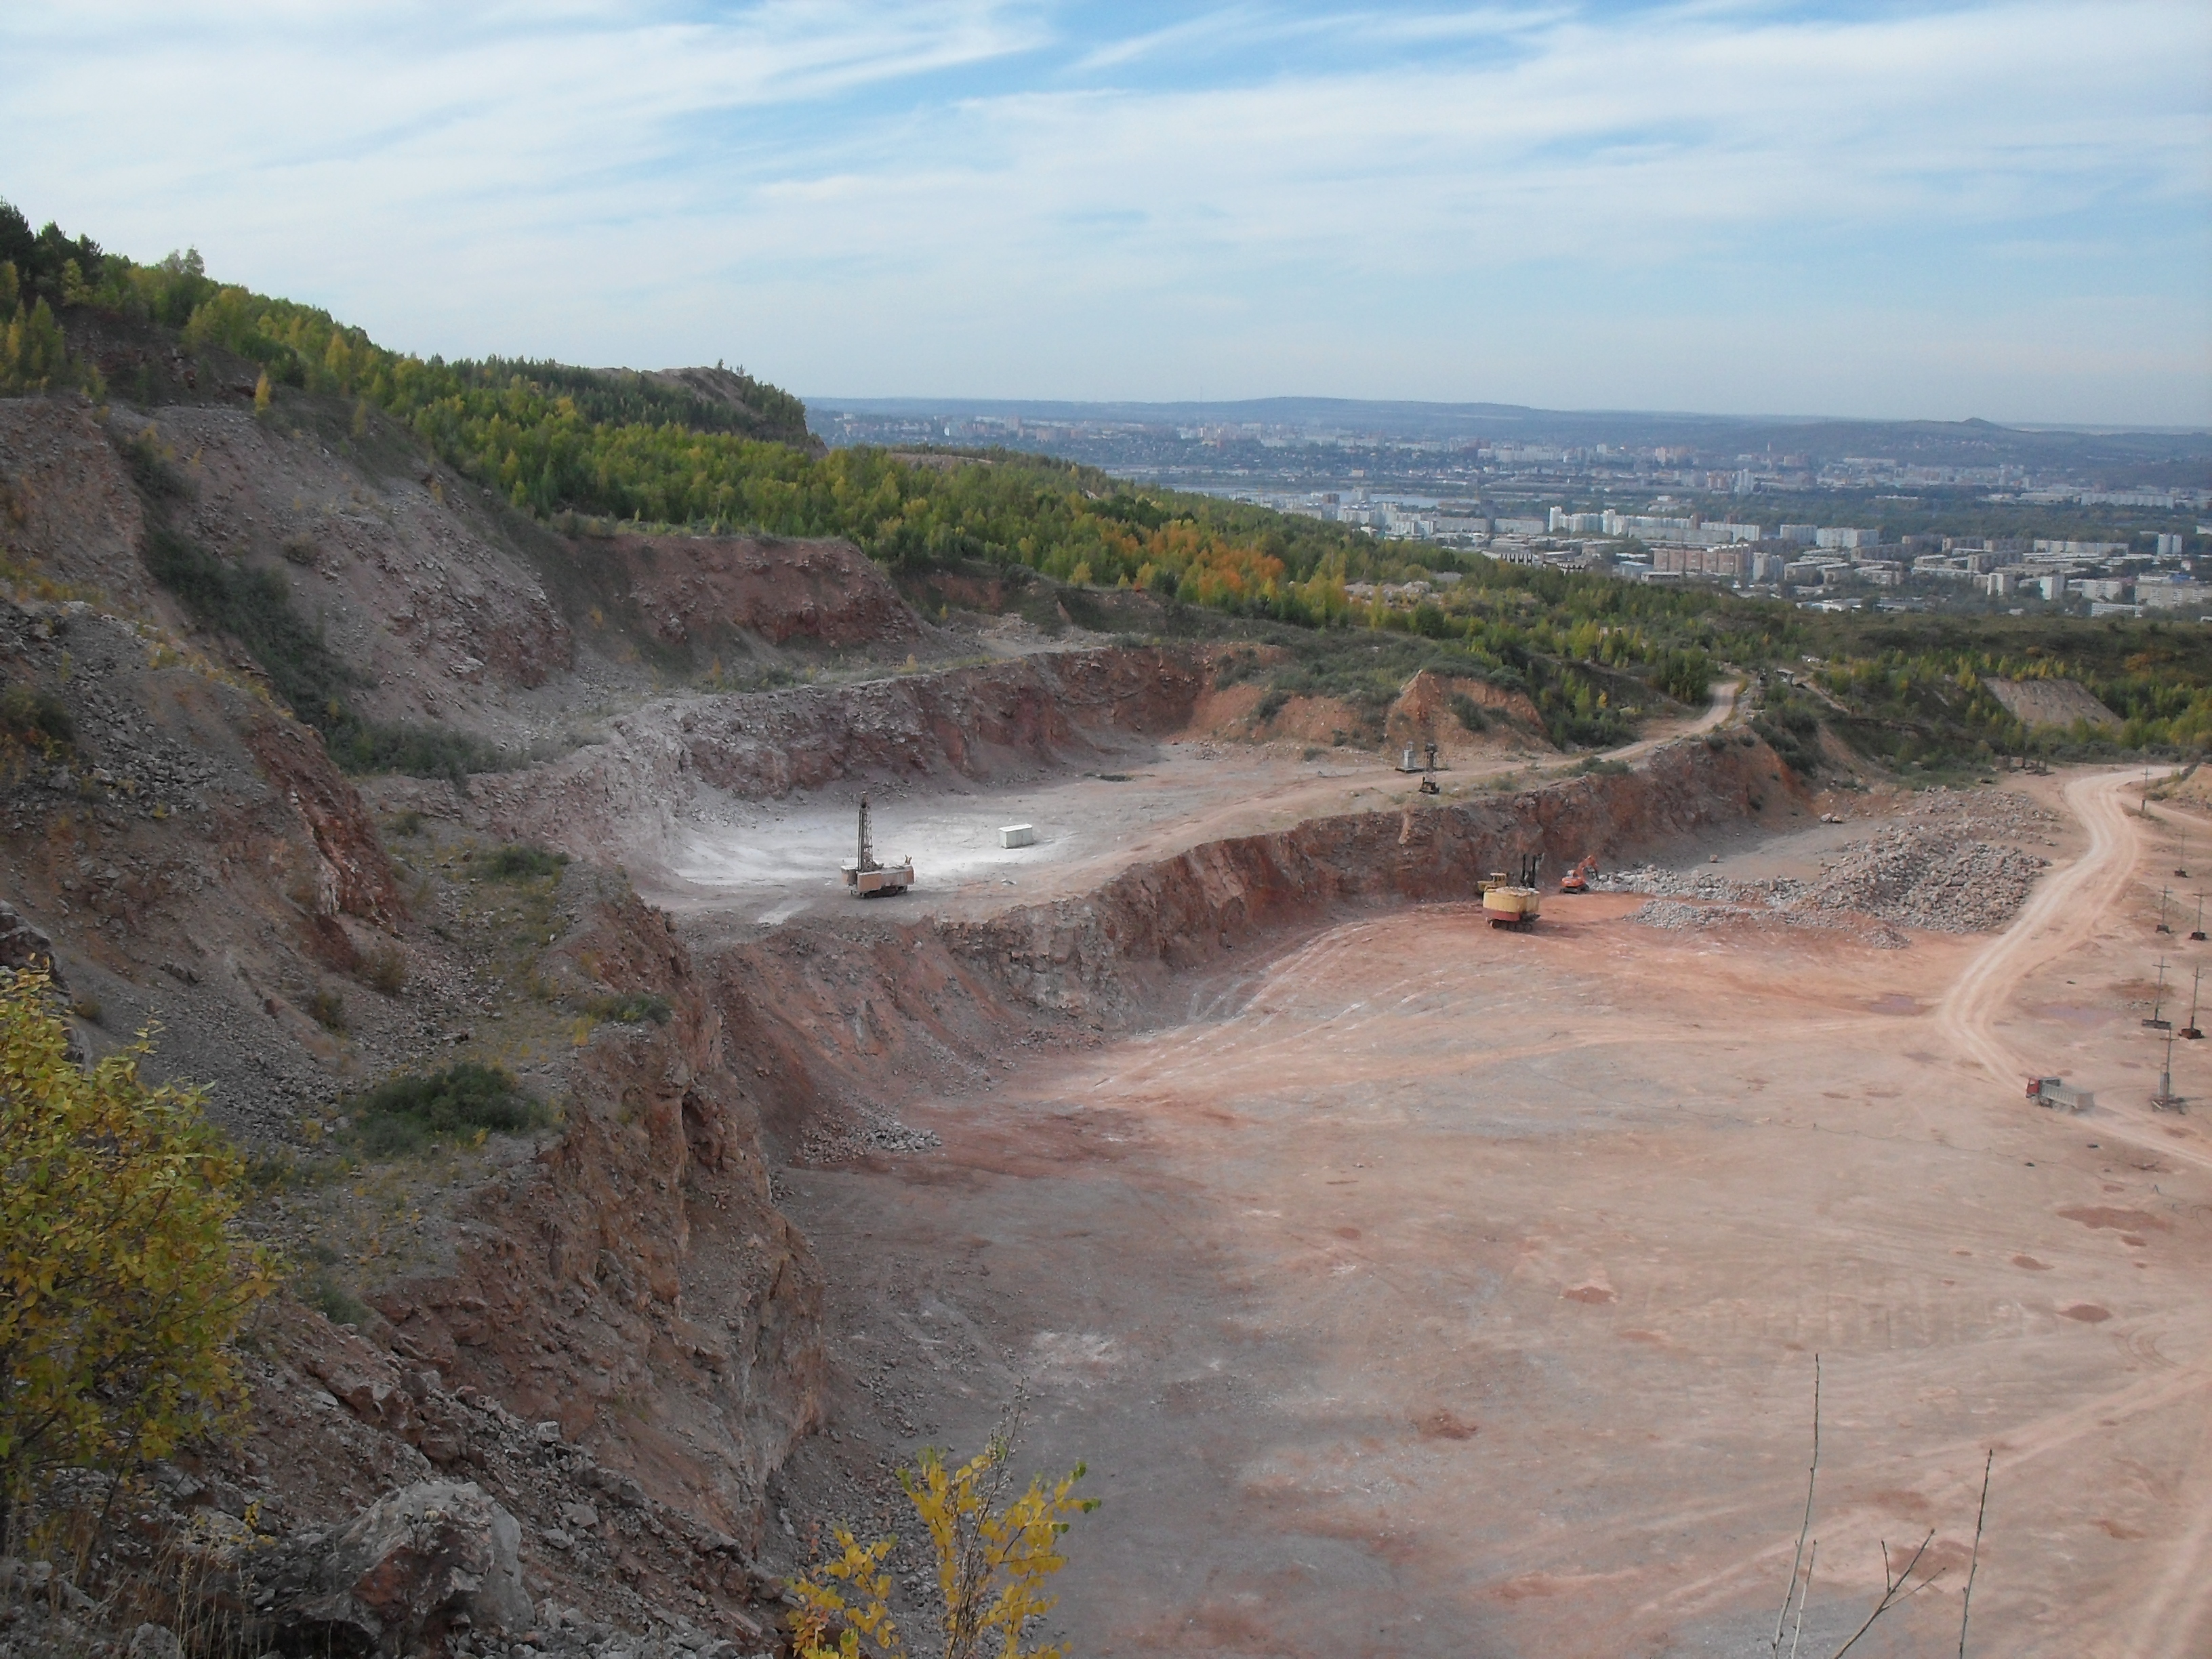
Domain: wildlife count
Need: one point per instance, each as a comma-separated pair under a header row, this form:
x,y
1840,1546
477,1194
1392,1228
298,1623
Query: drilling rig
x,y
867,877
1514,903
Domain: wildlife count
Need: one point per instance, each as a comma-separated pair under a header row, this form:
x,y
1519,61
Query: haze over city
x,y
1993,210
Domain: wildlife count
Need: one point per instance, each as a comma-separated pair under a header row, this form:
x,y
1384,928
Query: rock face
x,y
623,798
639,1258
1423,712
710,592
409,1569
67,506
353,876
23,947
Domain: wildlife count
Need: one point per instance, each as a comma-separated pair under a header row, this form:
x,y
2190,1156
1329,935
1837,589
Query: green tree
x,y
123,1278
32,354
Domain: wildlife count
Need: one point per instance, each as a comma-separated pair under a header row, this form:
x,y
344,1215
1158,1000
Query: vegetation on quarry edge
x,y
578,447
995,1551
122,1277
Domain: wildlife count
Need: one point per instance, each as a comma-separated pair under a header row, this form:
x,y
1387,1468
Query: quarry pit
x,y
1410,1287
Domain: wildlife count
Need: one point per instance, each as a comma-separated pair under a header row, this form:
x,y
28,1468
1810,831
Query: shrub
x,y
35,720
518,861
121,1278
404,1114
992,1558
1792,730
635,1008
1468,713
1272,704
385,969
328,1007
334,1300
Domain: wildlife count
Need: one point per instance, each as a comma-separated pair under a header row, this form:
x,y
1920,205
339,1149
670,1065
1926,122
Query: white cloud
x,y
951,197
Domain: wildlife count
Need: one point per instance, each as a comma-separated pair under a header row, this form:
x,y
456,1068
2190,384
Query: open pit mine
x,y
1408,1285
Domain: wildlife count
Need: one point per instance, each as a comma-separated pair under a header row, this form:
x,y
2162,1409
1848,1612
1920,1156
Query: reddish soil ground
x,y
1429,1290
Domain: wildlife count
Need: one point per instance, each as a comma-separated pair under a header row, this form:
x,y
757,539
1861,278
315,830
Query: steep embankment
x,y
194,859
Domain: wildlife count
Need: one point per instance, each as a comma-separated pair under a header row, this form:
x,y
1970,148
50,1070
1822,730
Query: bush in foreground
x,y
123,1278
993,1556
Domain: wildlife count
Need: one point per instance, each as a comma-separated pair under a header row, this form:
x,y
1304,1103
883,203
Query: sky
x,y
2000,210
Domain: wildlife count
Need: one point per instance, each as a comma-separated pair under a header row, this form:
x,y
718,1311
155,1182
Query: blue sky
x,y
2000,209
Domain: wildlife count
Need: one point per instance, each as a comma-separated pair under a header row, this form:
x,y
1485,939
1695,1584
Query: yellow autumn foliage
x,y
992,1560
123,1278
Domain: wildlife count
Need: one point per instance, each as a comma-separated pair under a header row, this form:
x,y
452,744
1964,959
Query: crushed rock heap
x,y
1936,870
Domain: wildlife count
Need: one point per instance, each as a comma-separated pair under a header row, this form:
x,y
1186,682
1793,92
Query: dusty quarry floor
x,y
1431,1290
761,863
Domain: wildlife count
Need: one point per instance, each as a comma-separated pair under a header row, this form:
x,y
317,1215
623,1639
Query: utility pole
x,y
2158,1003
2165,1100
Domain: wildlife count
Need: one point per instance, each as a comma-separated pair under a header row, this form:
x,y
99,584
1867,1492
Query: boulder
x,y
414,1565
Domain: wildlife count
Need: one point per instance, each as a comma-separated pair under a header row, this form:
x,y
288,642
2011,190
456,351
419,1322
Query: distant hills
x,y
1972,442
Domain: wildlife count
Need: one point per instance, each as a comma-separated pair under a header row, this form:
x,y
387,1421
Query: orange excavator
x,y
1577,880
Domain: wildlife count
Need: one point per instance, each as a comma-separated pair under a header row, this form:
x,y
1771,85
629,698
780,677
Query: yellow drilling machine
x,y
1513,904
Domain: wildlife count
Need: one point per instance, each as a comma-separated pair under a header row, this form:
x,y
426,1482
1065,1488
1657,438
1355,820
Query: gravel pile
x,y
1942,865
1921,877
1679,915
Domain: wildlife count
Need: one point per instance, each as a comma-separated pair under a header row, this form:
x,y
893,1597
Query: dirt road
x,y
1432,1291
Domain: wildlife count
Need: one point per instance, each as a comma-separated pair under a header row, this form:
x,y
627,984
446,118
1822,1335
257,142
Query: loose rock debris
x,y
1936,870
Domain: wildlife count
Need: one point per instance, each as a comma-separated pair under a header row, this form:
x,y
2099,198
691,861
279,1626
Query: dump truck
x,y
868,878
2055,1092
1513,904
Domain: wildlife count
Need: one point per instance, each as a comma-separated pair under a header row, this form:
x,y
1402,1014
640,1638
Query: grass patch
x,y
635,1009
519,861
333,1300
406,1114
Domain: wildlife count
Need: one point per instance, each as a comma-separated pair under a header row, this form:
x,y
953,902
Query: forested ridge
x,y
721,450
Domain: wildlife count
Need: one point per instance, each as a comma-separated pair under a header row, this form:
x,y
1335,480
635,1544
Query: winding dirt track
x,y
2063,915
2064,911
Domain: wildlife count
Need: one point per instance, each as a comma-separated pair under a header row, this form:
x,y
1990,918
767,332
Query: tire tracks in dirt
x,y
2063,915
